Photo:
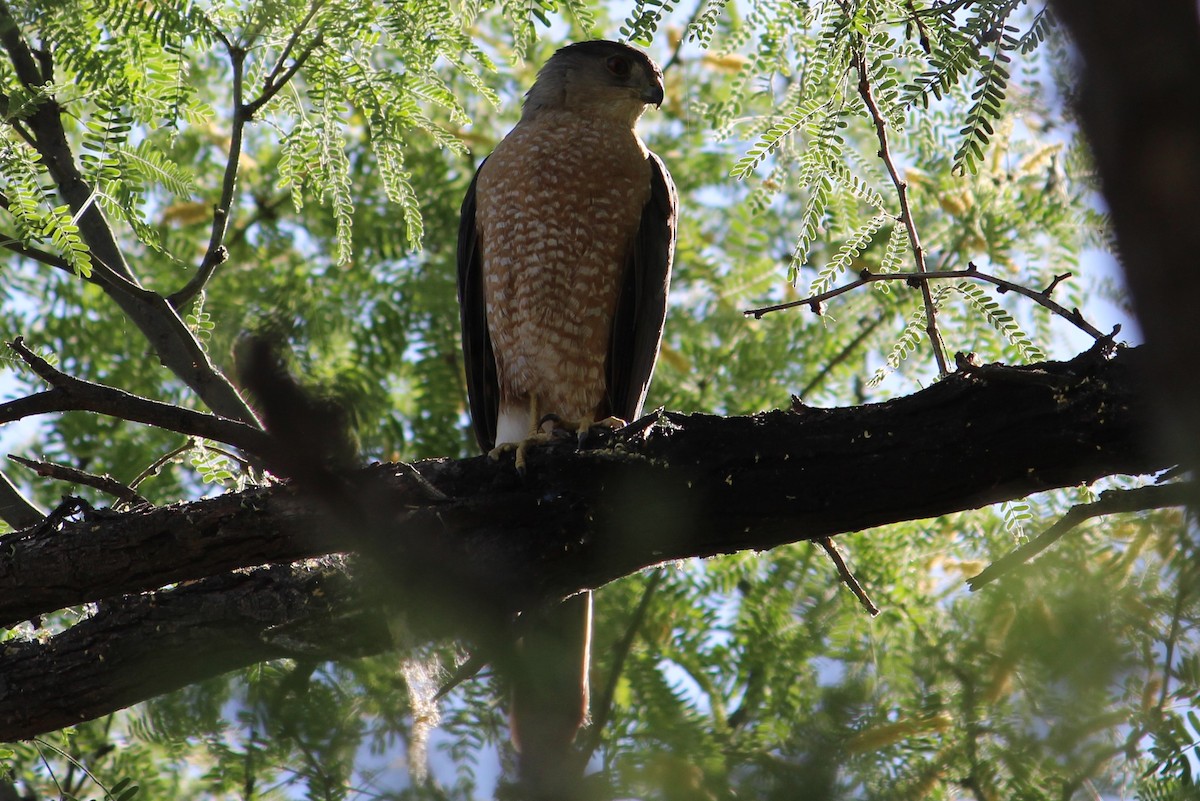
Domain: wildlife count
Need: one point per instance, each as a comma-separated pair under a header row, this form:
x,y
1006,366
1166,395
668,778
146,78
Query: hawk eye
x,y
620,66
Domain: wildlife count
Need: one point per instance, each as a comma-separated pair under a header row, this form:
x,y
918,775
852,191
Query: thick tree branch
x,y
143,647
694,486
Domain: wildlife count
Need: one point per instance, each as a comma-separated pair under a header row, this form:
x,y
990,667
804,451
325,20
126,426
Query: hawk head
x,y
601,77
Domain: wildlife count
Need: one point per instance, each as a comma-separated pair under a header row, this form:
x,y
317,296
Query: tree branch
x,y
242,113
167,334
973,273
75,394
105,483
140,647
906,218
1111,502
693,486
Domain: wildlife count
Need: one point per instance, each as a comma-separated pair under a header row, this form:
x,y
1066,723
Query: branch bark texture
x,y
459,549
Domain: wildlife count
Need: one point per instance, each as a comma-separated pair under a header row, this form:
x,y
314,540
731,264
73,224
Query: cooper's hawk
x,y
564,258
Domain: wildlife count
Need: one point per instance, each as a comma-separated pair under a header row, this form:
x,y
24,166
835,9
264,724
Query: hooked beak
x,y
653,95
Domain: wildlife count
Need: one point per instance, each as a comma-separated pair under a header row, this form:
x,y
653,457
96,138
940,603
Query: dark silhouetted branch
x,y
463,559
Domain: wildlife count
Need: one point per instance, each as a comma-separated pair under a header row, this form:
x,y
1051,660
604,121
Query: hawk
x,y
564,260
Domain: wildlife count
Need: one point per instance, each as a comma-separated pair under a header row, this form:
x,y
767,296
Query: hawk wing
x,y
483,391
642,307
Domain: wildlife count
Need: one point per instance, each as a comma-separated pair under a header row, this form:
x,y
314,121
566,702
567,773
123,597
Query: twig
x,y
1172,638
621,653
1058,279
847,577
15,509
464,672
432,492
158,463
971,272
279,77
864,90
217,253
49,259
74,394
683,37
106,483
1110,502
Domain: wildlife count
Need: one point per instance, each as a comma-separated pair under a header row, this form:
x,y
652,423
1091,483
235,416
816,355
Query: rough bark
x,y
457,551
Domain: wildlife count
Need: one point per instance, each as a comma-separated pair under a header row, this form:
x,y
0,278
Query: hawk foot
x,y
550,427
520,448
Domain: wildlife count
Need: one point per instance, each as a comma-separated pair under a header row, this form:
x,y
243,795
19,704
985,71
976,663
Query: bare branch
x,y
61,472
1111,502
75,394
1042,298
847,577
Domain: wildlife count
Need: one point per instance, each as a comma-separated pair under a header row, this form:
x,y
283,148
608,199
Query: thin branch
x,y
217,253
922,31
847,576
683,37
75,394
15,509
1172,638
1110,502
621,653
157,464
468,670
61,472
906,217
279,77
972,272
101,274
49,259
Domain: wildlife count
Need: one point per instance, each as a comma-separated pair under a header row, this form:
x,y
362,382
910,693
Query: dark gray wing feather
x,y
482,387
642,306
